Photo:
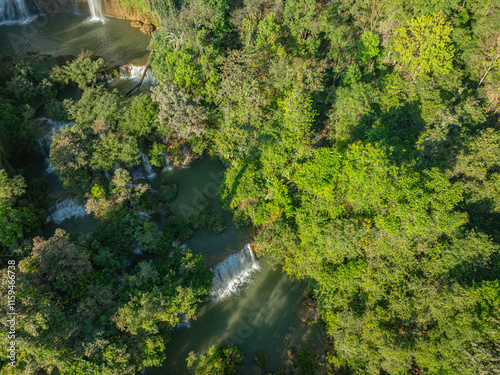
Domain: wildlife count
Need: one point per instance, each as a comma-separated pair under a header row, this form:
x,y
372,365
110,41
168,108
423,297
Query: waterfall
x,y
65,209
137,173
17,11
96,13
142,171
232,272
166,163
184,321
45,141
135,72
150,174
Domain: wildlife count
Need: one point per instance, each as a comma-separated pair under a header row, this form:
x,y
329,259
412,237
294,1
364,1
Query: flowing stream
x,y
252,306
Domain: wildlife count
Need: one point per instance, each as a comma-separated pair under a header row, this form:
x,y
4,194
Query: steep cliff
x,y
136,10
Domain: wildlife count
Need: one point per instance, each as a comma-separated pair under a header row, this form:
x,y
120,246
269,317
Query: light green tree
x,y
423,46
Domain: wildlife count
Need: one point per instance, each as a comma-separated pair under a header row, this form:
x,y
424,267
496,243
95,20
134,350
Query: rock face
x,y
311,315
111,8
148,28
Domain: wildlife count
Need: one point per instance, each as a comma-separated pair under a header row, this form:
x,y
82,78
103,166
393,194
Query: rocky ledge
x,y
111,8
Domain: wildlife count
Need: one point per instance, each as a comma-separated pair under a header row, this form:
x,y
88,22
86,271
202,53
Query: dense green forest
x,y
361,140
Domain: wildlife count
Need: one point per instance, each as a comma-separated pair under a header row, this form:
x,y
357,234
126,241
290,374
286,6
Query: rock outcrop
x,y
111,8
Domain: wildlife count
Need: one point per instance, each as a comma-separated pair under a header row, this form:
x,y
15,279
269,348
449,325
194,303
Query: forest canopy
x,y
361,140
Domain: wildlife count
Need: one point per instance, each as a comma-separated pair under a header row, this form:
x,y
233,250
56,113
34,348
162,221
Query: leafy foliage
x,y
424,45
82,70
218,360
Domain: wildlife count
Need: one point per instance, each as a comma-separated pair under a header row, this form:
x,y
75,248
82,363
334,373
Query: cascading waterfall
x,y
150,174
65,209
137,173
184,321
233,272
142,171
166,163
96,13
45,140
135,72
17,11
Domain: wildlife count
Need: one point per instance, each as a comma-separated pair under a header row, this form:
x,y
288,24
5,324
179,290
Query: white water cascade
x,y
142,171
166,162
17,11
137,173
96,13
184,321
232,272
65,209
135,72
150,174
45,140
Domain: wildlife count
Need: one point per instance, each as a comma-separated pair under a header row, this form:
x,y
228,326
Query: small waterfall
x,y
166,163
17,11
233,272
96,13
150,174
142,171
137,173
104,77
65,209
135,72
76,10
45,141
184,321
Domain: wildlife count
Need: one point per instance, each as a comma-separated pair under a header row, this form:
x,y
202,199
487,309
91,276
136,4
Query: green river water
x,y
67,34
265,315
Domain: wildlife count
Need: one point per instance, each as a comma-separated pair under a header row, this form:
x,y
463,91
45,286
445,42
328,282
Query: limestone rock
x,y
148,28
311,315
136,23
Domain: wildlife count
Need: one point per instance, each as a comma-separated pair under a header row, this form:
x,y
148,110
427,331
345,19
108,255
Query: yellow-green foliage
x,y
135,5
423,45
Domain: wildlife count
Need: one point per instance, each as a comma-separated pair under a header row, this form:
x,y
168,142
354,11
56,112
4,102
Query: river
x,y
265,315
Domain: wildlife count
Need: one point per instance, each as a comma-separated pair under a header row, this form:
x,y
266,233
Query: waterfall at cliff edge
x,y
45,140
150,174
166,163
232,272
17,11
96,13
135,72
66,209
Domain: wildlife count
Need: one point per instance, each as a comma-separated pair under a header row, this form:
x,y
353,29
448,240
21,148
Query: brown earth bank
x,y
111,8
